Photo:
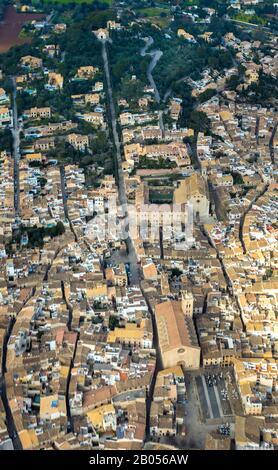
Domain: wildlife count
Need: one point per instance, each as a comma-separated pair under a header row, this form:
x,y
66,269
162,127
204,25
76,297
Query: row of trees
x,y
6,140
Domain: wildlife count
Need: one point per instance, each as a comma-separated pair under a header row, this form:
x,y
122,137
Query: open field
x,y
253,19
11,26
153,15
156,11
162,22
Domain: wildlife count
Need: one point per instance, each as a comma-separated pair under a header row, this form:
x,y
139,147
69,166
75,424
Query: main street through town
x,y
131,255
3,389
16,128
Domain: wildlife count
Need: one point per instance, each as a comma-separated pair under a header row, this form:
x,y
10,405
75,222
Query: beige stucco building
x,y
193,191
178,342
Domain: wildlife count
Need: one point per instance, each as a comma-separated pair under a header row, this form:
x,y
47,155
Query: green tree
x,y
199,121
113,322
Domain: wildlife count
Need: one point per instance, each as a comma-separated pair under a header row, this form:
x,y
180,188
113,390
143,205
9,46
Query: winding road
x,y
156,55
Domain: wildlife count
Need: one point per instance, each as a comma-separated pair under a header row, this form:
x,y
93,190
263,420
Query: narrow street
x,y
3,390
63,190
16,151
158,367
69,306
219,257
64,198
9,417
131,254
70,424
271,147
242,219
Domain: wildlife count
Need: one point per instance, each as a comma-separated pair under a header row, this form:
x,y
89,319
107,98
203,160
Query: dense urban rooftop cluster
x,y
155,336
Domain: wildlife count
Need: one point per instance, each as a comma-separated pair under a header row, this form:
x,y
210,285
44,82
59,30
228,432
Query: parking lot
x,y
213,395
202,401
